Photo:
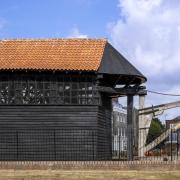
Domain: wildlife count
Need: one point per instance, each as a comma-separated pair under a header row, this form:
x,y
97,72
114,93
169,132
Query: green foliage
x,y
156,129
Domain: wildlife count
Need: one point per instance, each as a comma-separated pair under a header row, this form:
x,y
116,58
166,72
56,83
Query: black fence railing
x,y
164,146
47,144
82,144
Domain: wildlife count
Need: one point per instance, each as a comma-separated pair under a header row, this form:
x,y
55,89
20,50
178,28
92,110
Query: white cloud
x,y
148,34
75,33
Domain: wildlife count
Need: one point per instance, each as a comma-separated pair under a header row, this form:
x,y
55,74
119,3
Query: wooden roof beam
x,y
135,90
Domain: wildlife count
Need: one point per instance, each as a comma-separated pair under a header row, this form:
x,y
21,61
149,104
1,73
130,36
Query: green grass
x,y
85,174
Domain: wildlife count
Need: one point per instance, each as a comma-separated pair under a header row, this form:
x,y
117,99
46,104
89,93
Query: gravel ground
x,y
91,174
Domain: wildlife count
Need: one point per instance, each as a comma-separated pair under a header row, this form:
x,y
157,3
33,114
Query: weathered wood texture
x,y
48,116
104,129
54,133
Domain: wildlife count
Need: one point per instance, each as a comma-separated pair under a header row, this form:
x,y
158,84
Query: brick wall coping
x,y
80,165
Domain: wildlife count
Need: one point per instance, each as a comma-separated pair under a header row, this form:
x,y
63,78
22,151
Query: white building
x,y
119,128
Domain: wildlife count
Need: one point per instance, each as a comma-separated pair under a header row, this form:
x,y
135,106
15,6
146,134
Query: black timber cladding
x,y
104,135
48,116
54,133
48,132
32,131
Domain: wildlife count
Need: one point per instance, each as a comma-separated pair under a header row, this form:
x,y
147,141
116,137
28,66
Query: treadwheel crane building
x,y
55,98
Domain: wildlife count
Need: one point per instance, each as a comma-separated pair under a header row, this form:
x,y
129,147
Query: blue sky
x,y
56,18
146,32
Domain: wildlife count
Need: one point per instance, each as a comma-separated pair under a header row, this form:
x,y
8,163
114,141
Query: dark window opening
x,y
61,89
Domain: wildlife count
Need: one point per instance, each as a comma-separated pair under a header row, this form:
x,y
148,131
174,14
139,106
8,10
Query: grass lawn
x,y
85,174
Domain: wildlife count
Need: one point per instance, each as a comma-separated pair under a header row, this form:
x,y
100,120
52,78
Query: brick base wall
x,y
90,165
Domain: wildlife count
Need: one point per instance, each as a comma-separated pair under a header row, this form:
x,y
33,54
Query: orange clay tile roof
x,y
52,54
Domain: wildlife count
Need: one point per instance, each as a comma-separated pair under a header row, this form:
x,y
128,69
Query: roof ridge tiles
x,y
55,39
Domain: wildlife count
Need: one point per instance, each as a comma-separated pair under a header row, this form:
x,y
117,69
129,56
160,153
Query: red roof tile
x,y
52,54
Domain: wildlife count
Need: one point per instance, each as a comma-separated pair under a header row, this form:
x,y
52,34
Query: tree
x,y
155,130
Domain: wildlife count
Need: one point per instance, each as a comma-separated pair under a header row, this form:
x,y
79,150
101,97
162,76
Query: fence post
x,y
112,146
119,147
93,134
17,145
177,145
171,146
54,135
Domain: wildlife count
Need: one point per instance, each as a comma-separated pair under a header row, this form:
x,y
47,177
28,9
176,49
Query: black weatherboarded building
x,y
55,98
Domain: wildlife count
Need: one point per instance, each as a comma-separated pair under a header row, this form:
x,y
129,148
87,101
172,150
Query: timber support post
x,y
142,129
130,127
